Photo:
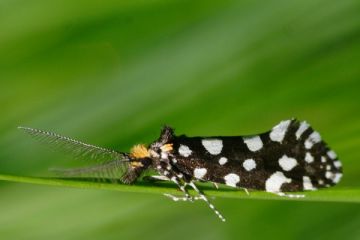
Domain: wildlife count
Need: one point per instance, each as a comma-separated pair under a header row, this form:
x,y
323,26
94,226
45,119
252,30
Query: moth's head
x,y
140,156
163,145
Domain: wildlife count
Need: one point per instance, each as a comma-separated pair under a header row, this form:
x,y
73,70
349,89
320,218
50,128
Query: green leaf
x,y
334,194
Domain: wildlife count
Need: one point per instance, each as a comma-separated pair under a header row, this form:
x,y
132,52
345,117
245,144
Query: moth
x,y
291,157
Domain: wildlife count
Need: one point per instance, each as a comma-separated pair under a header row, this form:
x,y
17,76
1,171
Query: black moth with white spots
x,y
291,157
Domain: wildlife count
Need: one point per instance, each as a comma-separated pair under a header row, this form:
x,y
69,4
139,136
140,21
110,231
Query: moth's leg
x,y
131,175
215,185
156,178
185,199
246,191
203,197
182,186
168,173
179,181
281,194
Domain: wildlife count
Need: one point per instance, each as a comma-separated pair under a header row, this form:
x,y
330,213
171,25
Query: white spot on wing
x,y
287,163
254,143
223,160
337,177
278,132
312,139
332,154
307,183
329,175
323,159
213,146
275,181
303,126
184,150
232,179
199,173
337,164
309,158
249,164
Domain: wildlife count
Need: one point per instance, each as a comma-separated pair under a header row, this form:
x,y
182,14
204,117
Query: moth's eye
x,y
146,161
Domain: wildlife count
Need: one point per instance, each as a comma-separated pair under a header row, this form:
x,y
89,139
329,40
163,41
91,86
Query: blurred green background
x,y
113,72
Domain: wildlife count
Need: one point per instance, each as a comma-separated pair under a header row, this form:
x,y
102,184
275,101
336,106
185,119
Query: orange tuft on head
x,y
139,151
167,147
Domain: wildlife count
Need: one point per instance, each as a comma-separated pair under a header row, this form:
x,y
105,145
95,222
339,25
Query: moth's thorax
x,y
163,146
161,154
160,150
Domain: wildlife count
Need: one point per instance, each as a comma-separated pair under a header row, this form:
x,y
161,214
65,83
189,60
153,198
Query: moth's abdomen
x,y
290,157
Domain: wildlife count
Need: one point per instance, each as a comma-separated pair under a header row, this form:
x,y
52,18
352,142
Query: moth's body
x,y
282,160
290,157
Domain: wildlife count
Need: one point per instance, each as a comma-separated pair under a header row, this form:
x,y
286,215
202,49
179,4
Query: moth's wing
x,y
296,150
290,157
113,170
77,148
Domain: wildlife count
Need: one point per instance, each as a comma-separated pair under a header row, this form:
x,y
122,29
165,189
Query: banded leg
x,y
203,197
281,194
181,186
215,185
246,191
156,178
185,199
